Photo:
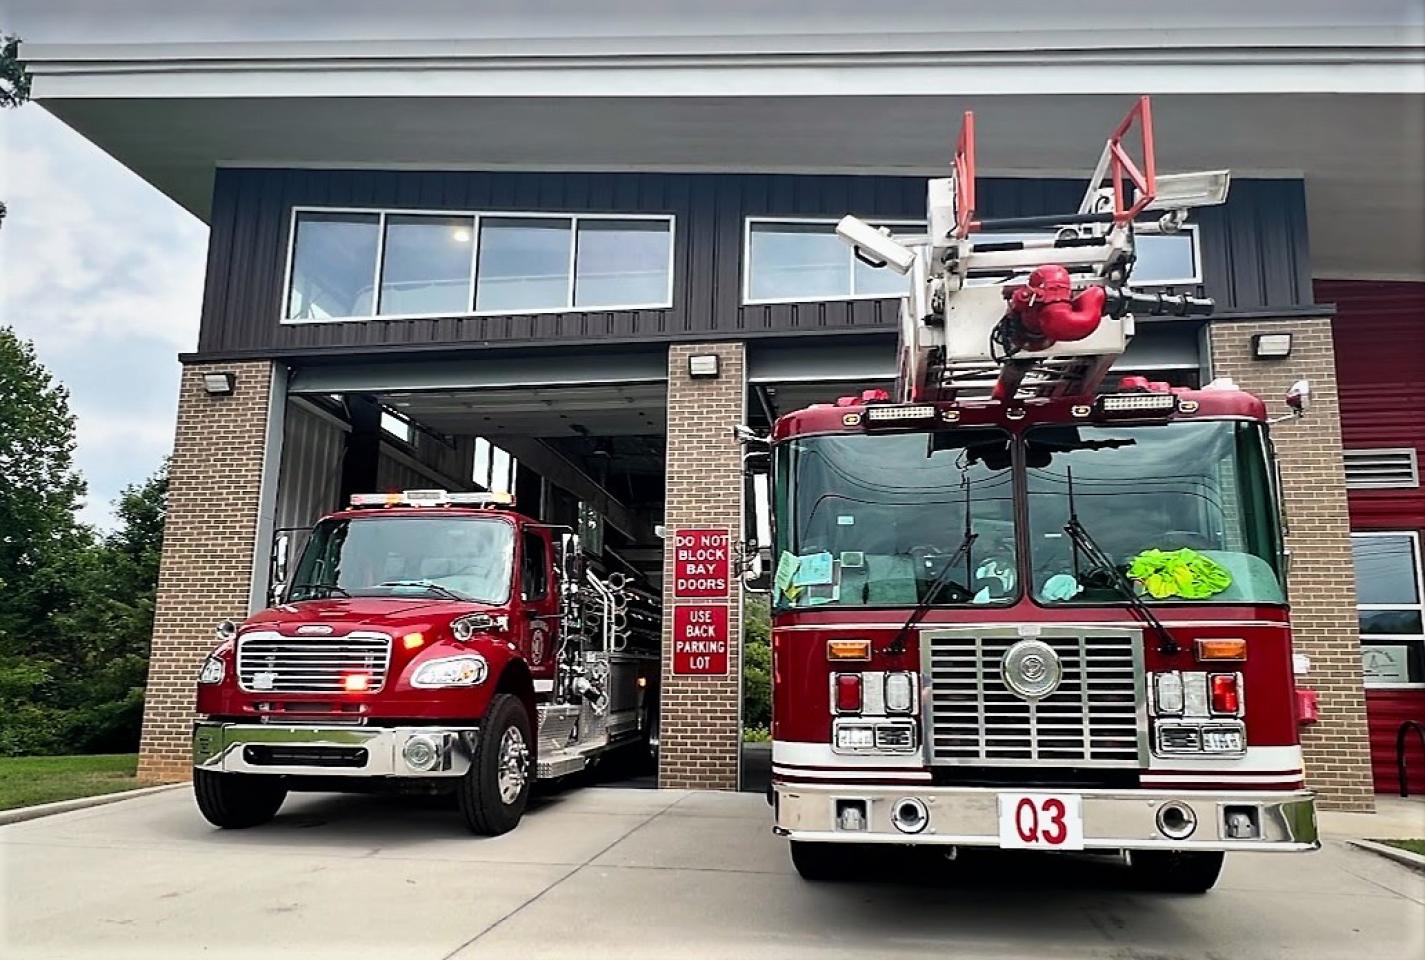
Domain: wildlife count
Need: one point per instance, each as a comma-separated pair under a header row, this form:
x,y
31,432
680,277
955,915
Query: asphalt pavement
x,y
636,873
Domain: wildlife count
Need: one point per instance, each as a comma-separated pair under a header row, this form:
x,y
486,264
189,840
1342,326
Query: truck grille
x,y
1093,718
271,663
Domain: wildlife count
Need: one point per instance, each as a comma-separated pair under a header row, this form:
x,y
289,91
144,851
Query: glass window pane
x,y
879,280
333,265
524,264
1164,258
426,264
787,261
621,263
1385,569
1390,621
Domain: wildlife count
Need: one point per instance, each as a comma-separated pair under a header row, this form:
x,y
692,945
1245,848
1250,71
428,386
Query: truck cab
x,y
423,641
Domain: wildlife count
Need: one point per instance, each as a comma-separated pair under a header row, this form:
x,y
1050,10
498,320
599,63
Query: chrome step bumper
x,y
333,751
1112,819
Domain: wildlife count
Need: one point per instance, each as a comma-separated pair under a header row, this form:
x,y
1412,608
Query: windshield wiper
x,y
1085,543
942,580
330,588
435,588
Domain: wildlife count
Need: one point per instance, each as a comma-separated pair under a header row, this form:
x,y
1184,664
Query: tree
x,y
77,611
40,492
14,81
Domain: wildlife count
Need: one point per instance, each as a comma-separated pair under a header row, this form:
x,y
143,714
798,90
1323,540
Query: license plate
x,y
263,680
1041,821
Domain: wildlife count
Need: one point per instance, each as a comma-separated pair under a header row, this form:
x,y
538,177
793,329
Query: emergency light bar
x,y
923,411
1129,402
431,498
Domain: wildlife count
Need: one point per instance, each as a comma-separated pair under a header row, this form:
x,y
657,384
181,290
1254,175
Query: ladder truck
x,y
427,642
1016,604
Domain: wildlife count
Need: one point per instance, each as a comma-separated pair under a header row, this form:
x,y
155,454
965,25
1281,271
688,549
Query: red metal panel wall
x,y
1379,334
1380,365
1386,710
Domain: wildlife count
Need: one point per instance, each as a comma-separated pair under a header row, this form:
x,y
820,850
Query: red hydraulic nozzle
x,y
1048,311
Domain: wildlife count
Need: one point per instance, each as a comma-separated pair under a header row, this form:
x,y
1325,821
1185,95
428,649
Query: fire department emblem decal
x,y
1031,669
538,640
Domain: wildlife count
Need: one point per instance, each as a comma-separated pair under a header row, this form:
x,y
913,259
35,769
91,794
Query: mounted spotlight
x,y
219,384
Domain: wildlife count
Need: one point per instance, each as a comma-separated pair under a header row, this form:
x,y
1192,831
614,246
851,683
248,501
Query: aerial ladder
x,y
1030,307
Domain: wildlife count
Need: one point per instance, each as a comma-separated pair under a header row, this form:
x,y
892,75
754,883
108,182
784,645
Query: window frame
x,y
476,216
917,227
1419,605
747,222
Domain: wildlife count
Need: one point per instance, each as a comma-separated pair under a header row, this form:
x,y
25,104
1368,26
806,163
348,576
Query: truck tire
x,y
494,791
236,801
824,862
1173,871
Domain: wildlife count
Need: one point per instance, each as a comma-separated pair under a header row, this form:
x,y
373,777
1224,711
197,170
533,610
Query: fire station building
x,y
562,248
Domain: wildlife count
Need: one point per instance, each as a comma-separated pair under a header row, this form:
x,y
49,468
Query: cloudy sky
x,y
105,275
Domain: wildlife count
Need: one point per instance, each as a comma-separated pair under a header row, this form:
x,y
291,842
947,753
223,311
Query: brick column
x,y
1322,580
701,716
205,575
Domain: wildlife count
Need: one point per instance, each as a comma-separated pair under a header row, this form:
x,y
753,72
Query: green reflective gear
x,y
1179,573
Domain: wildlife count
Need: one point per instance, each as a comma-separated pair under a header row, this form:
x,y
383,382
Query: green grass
x,y
29,780
1414,846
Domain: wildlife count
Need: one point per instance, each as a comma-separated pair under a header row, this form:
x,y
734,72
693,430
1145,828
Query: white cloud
x,y
105,275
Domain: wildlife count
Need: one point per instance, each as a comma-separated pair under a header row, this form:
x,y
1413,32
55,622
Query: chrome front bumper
x,y
1112,819
328,751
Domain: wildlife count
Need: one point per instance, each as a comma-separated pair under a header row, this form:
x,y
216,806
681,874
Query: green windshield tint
x,y
452,557
1185,510
879,519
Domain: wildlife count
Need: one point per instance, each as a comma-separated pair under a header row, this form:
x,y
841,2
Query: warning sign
x,y
701,564
700,639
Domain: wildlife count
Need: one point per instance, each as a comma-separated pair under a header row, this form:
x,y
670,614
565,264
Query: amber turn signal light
x,y
848,649
1228,649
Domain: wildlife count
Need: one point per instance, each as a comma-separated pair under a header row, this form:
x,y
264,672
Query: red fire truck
x,y
427,641
1014,607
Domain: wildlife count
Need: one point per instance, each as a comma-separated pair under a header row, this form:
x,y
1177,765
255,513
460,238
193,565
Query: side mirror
x,y
281,547
1298,398
755,563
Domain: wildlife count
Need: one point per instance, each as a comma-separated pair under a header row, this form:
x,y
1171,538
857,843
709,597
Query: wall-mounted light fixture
x,y
219,384
1271,346
703,365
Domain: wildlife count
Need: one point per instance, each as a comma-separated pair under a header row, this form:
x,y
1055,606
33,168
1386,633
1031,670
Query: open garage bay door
x,y
587,432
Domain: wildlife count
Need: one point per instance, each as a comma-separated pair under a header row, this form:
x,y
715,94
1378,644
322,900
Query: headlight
x,y
212,671
468,625
225,630
463,671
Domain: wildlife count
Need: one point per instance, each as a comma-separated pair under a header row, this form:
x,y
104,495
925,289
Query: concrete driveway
x,y
628,873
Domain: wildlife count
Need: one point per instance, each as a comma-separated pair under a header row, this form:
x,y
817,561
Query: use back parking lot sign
x,y
700,639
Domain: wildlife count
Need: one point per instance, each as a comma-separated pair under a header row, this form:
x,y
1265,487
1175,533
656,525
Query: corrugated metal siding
x,y
1254,249
1379,334
1386,710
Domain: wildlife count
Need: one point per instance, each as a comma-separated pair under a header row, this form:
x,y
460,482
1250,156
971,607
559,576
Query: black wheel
x,y
824,862
235,801
494,791
1175,871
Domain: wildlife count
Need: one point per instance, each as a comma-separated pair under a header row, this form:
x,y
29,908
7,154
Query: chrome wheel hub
x,y
513,765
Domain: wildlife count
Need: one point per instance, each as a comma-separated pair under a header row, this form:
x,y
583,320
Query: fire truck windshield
x,y
1185,510
875,520
439,557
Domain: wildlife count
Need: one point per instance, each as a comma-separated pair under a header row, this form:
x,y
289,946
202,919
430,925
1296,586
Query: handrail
x,y
1405,727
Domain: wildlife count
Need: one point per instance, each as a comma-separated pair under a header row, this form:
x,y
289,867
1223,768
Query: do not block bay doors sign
x,y
702,571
